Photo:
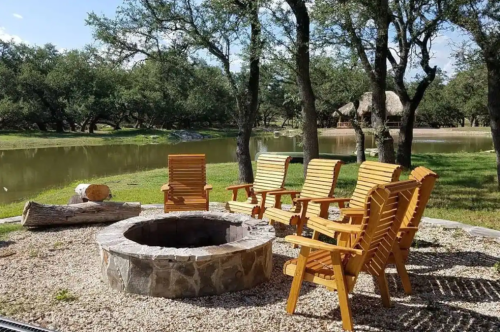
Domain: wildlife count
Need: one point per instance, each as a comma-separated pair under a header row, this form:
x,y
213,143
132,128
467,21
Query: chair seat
x,y
186,204
319,264
284,217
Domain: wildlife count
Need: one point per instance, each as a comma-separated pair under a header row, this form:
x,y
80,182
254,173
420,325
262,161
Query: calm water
x,y
29,171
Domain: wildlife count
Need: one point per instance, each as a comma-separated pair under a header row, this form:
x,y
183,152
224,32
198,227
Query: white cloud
x,y
17,16
8,37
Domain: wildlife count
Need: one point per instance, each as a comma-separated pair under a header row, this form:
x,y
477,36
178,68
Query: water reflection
x,y
29,171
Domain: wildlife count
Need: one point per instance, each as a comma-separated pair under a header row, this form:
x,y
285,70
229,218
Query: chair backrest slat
x,y
385,208
320,181
418,203
370,174
187,175
271,174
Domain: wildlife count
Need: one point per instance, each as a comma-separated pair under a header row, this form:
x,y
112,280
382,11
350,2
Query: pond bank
x,y
34,139
465,192
417,132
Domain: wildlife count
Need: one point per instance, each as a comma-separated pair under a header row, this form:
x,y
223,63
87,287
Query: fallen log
x,y
35,214
93,192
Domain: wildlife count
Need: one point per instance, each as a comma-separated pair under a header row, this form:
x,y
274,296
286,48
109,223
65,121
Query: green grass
x,y
7,228
32,139
466,190
64,295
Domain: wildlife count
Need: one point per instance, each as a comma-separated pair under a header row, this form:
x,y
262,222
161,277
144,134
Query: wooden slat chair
x,y
271,174
370,174
320,182
187,189
337,267
409,227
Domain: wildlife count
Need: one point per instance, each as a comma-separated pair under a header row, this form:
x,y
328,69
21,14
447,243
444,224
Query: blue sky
x,y
62,22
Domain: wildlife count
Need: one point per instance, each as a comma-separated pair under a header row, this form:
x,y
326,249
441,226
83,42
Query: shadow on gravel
x,y
419,315
424,262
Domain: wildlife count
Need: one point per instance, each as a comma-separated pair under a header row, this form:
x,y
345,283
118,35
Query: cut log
x,y
93,192
35,214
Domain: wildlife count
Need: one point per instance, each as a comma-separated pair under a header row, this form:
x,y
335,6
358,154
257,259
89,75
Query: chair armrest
x,y
208,187
260,192
344,228
165,187
407,229
330,200
284,192
315,244
240,186
352,212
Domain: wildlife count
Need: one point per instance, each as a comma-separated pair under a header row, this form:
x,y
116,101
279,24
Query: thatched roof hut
x,y
392,103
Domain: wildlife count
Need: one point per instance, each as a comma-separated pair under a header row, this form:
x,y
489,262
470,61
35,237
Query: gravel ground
x,y
51,278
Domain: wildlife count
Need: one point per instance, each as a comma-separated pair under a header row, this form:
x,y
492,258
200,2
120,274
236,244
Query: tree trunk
x,y
93,192
93,125
59,126
360,135
243,154
360,143
42,126
84,124
384,141
494,108
35,214
248,110
302,64
406,136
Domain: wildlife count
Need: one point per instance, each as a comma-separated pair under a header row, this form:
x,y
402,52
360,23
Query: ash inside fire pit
x,y
186,233
186,254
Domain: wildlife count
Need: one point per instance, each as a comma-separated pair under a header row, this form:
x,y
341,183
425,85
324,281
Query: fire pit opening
x,y
185,232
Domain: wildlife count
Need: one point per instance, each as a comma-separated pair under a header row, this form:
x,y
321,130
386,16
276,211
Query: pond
x,y
27,172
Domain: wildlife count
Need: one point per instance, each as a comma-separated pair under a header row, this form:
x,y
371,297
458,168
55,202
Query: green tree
x,y
481,20
141,27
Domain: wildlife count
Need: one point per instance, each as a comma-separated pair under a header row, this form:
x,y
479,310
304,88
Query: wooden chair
x,y
187,189
320,182
370,174
336,266
271,173
409,227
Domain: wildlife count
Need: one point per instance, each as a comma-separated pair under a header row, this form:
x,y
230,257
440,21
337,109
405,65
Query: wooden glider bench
x,y
337,266
187,189
321,178
271,174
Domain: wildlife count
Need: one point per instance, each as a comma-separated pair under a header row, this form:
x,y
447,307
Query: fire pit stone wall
x,y
227,252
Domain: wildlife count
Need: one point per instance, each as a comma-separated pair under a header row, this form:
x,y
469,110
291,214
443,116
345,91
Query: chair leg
x,y
315,235
342,291
300,228
401,268
384,290
297,280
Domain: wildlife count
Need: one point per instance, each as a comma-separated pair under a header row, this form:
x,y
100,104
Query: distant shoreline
x,y
417,132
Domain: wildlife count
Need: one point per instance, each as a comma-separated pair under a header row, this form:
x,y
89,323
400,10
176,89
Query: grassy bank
x,y
465,192
34,139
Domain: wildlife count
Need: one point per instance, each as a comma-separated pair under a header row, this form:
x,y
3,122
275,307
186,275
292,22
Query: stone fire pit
x,y
186,254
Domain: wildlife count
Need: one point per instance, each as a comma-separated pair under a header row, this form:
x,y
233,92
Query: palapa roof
x,y
392,103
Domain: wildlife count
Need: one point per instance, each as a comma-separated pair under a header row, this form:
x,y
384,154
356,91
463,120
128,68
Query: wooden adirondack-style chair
x,y
409,227
187,188
271,173
370,174
320,182
336,266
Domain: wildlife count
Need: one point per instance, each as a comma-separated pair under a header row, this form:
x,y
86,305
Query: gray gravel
x,y
455,286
